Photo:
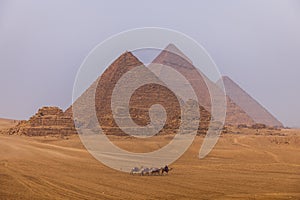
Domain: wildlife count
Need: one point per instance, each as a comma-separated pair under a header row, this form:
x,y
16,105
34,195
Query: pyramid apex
x,y
225,78
127,53
128,56
171,45
172,48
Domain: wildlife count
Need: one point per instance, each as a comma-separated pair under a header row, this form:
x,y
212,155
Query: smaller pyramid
x,y
254,109
47,121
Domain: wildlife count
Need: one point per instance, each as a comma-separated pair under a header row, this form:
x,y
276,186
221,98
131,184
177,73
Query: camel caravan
x,y
142,171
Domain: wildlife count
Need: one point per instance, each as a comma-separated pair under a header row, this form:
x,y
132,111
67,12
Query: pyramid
x,y
173,57
141,100
255,110
47,121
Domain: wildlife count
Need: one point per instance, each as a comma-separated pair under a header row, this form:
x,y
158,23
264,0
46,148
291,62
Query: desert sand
x,y
245,164
7,123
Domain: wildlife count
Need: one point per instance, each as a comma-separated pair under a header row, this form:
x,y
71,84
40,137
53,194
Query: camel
x,y
165,169
146,171
155,171
136,170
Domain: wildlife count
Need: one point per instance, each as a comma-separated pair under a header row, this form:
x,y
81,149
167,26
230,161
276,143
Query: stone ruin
x,y
47,121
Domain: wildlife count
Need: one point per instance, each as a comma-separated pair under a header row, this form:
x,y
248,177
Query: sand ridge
x,y
242,166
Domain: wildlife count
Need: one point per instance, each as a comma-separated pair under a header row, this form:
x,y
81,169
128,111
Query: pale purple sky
x,y
43,43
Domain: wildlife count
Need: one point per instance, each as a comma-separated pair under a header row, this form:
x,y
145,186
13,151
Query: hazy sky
x,y
43,43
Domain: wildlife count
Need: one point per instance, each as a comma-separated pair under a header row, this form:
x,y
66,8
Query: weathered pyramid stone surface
x,y
173,57
141,100
47,121
255,110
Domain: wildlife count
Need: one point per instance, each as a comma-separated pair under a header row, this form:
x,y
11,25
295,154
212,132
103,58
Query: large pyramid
x,y
141,100
255,110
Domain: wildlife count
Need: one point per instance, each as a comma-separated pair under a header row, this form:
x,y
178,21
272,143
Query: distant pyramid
x,y
47,121
255,110
171,56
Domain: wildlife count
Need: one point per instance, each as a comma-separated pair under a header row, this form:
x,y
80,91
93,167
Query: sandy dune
x,y
240,167
7,123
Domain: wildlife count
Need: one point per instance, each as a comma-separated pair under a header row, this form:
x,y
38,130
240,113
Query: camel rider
x,y
166,169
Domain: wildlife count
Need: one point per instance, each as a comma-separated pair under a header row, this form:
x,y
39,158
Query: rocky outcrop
x,y
47,121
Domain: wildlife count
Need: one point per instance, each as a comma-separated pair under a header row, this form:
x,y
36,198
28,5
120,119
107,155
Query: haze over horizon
x,y
42,45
